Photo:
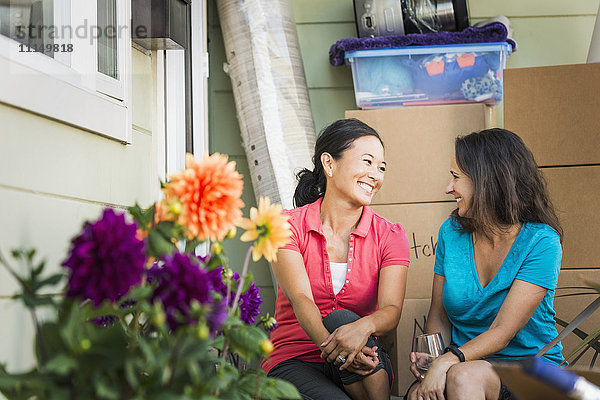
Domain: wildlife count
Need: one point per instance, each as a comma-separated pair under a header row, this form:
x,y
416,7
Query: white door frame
x,y
199,77
174,94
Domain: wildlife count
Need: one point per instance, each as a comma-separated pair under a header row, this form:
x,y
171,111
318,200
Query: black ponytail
x,y
309,188
334,139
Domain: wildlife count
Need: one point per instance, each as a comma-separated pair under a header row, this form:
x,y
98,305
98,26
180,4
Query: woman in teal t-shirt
x,y
497,263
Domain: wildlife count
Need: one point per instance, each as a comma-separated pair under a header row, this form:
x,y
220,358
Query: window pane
x,y
107,41
30,22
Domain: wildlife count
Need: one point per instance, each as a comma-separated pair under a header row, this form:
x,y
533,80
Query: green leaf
x,y
16,253
70,326
190,245
62,365
216,260
48,343
37,271
167,372
131,374
191,348
89,311
158,244
49,281
282,389
105,391
233,321
166,228
218,342
195,372
269,388
248,279
138,293
246,340
30,254
59,393
32,301
166,395
143,217
147,352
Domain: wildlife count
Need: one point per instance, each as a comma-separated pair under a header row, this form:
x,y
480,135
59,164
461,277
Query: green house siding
x,y
52,178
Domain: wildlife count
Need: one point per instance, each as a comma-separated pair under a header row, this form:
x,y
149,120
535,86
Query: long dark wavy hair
x,y
508,187
334,139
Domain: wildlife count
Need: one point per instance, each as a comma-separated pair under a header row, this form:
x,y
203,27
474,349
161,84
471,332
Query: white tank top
x,y
338,275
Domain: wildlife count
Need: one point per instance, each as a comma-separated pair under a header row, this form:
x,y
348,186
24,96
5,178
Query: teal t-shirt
x,y
534,257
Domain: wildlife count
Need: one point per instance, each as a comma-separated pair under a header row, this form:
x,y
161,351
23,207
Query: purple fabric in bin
x,y
494,32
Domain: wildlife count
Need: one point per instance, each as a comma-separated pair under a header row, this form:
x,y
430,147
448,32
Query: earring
x,y
329,173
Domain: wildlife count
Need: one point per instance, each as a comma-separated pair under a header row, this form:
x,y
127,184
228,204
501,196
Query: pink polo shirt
x,y
373,245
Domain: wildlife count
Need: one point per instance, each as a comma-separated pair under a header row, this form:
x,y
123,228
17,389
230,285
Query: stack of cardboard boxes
x,y
419,144
556,112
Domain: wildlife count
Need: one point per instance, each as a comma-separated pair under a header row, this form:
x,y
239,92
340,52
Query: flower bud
x,y
269,323
267,346
217,248
175,207
160,318
85,344
202,332
232,233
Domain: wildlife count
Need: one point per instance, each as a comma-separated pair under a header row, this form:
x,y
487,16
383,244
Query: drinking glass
x,y
427,348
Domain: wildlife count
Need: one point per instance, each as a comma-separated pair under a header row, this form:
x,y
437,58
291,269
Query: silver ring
x,y
342,359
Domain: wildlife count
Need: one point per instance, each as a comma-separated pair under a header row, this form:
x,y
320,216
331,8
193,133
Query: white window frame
x,y
105,84
72,93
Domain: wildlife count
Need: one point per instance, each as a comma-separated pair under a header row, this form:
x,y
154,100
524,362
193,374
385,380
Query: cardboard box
x,y
422,222
419,144
568,305
398,344
574,192
555,111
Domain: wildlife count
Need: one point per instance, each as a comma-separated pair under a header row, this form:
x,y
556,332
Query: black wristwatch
x,y
456,351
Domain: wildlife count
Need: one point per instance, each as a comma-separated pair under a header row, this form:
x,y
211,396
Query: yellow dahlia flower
x,y
268,228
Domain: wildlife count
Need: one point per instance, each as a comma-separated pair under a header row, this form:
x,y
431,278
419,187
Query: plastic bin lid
x,y
446,48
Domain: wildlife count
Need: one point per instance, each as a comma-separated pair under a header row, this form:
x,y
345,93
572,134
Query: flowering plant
x,y
143,316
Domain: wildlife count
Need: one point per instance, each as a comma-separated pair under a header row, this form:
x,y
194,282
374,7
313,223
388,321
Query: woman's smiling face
x,y
359,173
461,187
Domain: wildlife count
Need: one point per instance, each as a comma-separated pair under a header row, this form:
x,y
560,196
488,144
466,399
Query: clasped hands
x,y
348,343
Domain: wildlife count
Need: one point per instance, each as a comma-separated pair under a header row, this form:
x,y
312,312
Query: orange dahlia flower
x,y
210,193
268,228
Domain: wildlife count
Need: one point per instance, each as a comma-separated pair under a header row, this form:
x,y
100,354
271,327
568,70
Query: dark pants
x,y
318,381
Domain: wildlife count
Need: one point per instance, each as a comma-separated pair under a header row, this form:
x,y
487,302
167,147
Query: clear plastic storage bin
x,y
428,75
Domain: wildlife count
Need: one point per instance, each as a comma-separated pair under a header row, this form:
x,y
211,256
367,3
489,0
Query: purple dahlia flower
x,y
217,315
250,304
106,259
180,281
105,321
216,279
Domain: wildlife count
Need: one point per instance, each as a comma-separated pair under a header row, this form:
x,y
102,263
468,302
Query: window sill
x,y
42,85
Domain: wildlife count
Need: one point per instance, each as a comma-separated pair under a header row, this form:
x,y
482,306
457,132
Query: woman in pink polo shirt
x,y
341,279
